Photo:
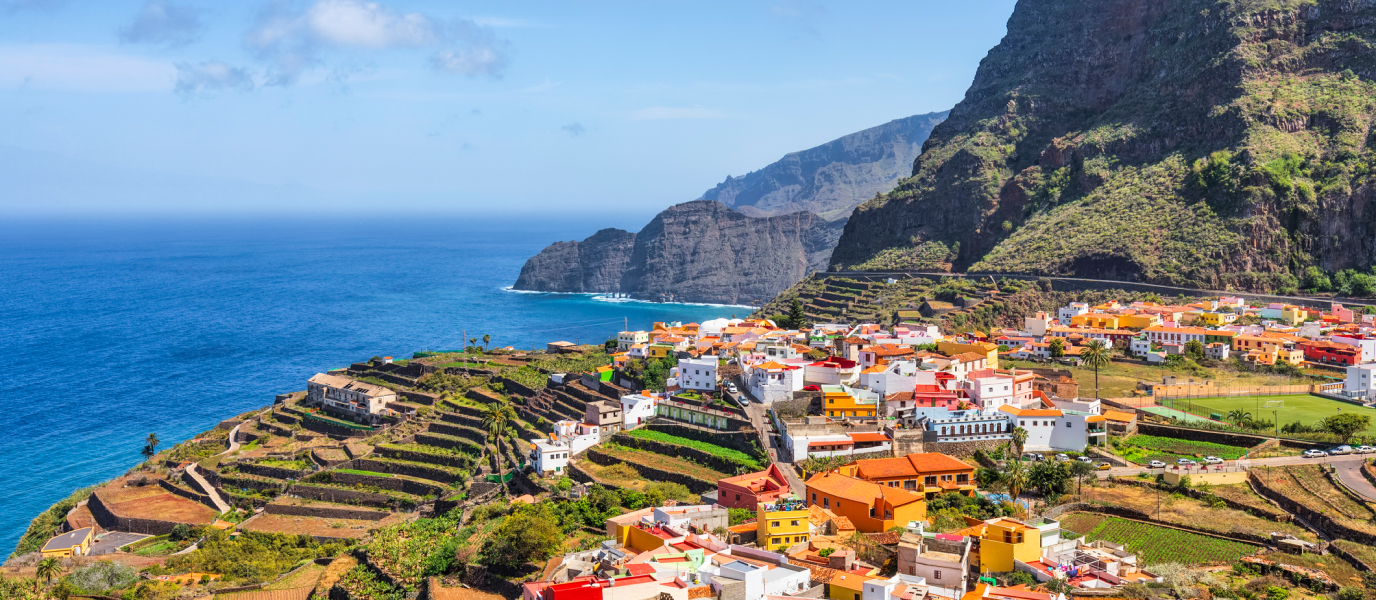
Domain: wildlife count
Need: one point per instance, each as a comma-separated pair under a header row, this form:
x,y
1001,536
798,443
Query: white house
x,y
771,382
1050,429
991,389
1139,346
626,339
1367,345
1217,351
352,398
697,373
1361,381
551,455
638,408
1160,334
832,371
898,587
1036,326
1066,313
898,376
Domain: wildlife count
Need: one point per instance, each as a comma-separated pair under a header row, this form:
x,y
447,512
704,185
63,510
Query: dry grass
x,y
1120,379
1308,486
1189,512
306,576
153,502
1243,494
314,526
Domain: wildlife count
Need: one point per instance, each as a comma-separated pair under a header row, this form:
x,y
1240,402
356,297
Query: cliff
x,y
833,178
699,251
1191,142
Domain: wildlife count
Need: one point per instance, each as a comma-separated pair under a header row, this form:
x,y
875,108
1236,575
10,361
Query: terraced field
x,y
1188,512
1156,545
671,464
1308,487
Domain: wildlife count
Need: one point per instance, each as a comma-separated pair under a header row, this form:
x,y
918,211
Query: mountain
x,y
699,251
1209,143
832,179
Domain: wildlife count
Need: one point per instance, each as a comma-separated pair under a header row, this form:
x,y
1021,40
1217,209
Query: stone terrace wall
x,y
1128,513
188,494
325,512
330,494
110,522
966,449
460,461
410,470
1323,522
273,472
744,441
408,486
693,454
1228,438
695,485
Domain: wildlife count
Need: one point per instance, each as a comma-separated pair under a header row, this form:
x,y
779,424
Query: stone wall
x,y
744,441
428,439
407,486
1331,527
329,429
110,522
693,454
1135,515
231,480
460,461
420,397
965,449
325,512
343,496
1228,438
409,469
188,494
695,485
273,472
516,387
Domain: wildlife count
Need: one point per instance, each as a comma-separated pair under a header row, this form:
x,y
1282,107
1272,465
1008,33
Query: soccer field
x,y
1304,408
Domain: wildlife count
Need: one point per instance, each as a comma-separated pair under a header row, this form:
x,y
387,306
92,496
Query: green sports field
x,y
1304,408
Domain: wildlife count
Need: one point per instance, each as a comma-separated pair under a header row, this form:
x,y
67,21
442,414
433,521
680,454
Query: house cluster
x,y
801,543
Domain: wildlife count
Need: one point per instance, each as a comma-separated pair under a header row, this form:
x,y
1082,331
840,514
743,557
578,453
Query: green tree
x,y
1096,354
1345,425
473,343
529,534
1315,279
48,568
150,446
1057,347
1194,349
487,339
1015,478
497,419
1019,440
795,319
1080,470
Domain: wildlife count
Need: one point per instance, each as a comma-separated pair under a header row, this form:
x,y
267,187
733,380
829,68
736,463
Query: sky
x,y
570,107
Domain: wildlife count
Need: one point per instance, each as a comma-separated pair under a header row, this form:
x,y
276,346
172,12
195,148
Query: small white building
x,y
1051,429
626,339
898,587
772,382
1217,351
1361,381
350,398
1139,346
697,374
551,455
636,409
1066,313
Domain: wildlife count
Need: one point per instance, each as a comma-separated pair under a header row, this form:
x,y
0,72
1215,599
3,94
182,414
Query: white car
x,y
1366,449
1213,460
1340,450
744,400
1062,458
1156,464
1315,454
1185,462
1085,459
731,387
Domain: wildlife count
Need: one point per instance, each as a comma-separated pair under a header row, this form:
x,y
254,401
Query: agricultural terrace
x,y
1304,408
1243,494
671,464
1309,487
1143,449
735,456
1177,509
1157,545
1120,378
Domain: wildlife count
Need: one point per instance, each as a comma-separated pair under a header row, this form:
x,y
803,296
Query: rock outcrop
x,y
832,179
699,251
1188,142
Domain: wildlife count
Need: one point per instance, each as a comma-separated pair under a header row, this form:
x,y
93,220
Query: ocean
x,y
115,329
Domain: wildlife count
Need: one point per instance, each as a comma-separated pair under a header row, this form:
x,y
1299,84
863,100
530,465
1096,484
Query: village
x,y
763,458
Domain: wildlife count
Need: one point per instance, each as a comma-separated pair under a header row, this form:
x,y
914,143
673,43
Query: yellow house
x,y
1100,320
1268,350
837,401
1215,319
1001,541
658,351
781,524
72,543
1138,321
845,585
1292,314
985,348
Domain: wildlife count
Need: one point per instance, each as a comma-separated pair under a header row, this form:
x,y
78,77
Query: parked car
x,y
1365,449
1315,454
1156,464
1213,460
1084,459
1185,462
1103,466
1062,458
731,387
744,400
1030,456
1340,450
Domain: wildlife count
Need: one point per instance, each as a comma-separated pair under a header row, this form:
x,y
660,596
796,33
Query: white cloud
x,y
293,41
211,76
666,112
163,23
81,68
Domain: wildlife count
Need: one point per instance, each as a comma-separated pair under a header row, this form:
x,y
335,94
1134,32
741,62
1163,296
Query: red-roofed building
x,y
921,473
749,490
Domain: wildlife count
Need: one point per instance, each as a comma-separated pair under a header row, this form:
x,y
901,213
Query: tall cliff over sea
x,y
748,238
1189,142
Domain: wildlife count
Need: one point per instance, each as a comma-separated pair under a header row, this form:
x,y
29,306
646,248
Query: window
x,y
912,570
1067,424
826,502
814,497
773,523
936,574
738,496
794,523
930,480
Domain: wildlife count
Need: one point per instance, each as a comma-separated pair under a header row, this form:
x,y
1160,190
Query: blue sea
x,y
114,329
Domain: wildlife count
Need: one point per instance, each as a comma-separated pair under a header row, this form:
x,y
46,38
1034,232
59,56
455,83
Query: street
x,y
756,412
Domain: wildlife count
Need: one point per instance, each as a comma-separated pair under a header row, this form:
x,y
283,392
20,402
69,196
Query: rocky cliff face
x,y
1194,142
699,251
832,179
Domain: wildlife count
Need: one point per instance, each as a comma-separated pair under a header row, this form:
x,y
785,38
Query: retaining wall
x,y
396,484
694,485
330,494
325,512
273,472
1228,438
428,439
1329,526
460,461
744,441
188,494
697,456
110,522
410,470
1135,515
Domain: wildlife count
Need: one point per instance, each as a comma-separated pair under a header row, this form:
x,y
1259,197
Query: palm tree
x,y
487,339
472,341
1015,478
497,419
150,446
48,568
1096,354
1239,417
1019,438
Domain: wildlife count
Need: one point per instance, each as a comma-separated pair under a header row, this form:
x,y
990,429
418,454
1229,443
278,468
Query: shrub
x,y
102,577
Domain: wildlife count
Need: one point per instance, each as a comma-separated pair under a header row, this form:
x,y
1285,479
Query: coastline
x,y
600,297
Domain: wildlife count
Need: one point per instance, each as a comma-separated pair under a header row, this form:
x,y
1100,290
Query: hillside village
x,y
755,458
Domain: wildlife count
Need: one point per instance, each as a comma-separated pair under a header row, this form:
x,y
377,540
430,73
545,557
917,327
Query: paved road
x,y
1352,461
756,412
214,495
1350,473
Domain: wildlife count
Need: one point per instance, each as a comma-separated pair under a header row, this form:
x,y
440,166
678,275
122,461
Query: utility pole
x,y
465,340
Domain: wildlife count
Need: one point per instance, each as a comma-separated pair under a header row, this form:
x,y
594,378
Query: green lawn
x,y
1304,408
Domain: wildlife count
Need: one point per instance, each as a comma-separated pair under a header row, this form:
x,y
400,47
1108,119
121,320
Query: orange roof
x,y
859,490
868,437
771,365
1095,418
1118,415
1021,412
888,350
744,527
966,357
1187,330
